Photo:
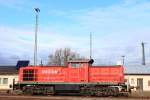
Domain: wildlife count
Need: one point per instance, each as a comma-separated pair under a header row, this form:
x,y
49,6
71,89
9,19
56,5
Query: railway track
x,y
62,97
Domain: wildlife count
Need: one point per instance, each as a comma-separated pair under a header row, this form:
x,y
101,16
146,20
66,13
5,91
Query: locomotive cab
x,y
79,70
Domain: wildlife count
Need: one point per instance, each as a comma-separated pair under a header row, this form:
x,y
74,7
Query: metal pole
x,y
90,45
143,53
37,10
123,60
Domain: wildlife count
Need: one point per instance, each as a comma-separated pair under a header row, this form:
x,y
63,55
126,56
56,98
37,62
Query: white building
x,y
138,76
8,77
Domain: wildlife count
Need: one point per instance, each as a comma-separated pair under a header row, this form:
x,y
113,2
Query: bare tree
x,y
61,56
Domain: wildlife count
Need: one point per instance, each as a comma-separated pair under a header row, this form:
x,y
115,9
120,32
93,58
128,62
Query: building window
x,y
5,80
148,83
132,81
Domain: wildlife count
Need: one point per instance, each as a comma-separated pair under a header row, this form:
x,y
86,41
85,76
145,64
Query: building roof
x,y
8,70
137,69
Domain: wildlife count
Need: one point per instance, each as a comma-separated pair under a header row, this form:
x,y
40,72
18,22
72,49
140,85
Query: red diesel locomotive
x,y
79,76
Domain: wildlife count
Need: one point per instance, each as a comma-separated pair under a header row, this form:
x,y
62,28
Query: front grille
x,y
28,75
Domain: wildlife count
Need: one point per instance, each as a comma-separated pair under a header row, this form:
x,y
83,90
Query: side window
x,y
76,65
132,81
5,80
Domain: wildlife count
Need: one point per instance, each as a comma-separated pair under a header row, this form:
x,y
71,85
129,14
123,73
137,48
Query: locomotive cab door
x,y
78,71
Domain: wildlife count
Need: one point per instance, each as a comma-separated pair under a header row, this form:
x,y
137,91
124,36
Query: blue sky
x,y
118,27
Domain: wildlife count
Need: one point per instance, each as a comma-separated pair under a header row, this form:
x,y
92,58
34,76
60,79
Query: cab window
x,y
76,65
